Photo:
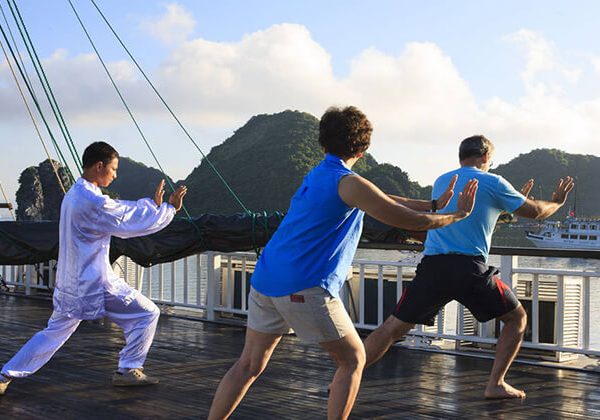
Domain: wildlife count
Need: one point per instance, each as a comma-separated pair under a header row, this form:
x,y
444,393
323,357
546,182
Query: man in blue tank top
x,y
455,265
298,277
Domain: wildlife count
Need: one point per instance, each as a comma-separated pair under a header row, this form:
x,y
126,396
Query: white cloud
x,y
175,26
595,60
419,103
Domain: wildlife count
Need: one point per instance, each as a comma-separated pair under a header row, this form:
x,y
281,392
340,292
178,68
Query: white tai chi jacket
x,y
87,221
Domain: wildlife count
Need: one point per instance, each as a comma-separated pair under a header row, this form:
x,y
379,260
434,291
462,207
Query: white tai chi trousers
x,y
138,321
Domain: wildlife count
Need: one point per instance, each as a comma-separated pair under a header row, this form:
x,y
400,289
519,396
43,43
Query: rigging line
x,y
54,168
61,157
128,109
14,42
46,85
170,110
27,81
12,213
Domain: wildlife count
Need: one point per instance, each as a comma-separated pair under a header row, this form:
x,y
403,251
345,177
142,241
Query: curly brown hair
x,y
345,132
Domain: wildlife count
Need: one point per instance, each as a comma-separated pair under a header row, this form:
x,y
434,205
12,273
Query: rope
x,y
62,159
14,43
235,196
55,170
45,85
12,213
127,108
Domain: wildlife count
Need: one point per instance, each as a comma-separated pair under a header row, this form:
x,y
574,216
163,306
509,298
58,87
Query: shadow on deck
x,y
190,357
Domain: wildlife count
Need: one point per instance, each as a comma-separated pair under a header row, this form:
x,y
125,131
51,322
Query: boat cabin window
x,y
583,237
572,236
593,227
583,227
573,226
564,236
593,238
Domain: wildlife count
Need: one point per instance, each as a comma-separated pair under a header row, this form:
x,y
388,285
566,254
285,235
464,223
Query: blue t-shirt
x,y
472,235
317,240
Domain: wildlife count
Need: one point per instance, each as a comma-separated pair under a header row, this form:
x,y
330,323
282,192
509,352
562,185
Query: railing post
x,y
149,282
28,280
586,313
507,265
535,310
361,294
51,274
213,267
560,310
380,287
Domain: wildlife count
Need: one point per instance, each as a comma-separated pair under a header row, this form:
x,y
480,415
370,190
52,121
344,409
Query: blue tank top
x,y
317,240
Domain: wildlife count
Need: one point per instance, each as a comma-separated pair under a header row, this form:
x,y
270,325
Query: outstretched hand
x,y
176,198
159,193
562,190
446,196
466,199
526,188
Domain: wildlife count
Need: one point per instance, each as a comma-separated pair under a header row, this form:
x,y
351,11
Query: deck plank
x,y
191,356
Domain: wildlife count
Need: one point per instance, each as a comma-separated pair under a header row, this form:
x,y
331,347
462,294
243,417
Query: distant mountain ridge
x,y
546,167
265,160
136,180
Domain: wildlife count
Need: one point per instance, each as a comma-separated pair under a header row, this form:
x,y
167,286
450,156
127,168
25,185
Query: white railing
x,y
29,277
559,301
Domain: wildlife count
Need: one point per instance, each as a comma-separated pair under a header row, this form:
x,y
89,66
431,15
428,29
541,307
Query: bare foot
x,y
502,391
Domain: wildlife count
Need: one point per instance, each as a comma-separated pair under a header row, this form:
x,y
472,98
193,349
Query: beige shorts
x,y
313,314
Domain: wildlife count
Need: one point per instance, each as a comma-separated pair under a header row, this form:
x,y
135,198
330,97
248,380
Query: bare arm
x,y
356,191
426,205
411,203
540,209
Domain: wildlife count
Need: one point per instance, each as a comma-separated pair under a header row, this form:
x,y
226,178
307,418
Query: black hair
x,y
98,152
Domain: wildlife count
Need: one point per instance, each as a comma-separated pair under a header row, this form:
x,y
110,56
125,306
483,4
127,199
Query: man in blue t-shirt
x,y
298,277
455,264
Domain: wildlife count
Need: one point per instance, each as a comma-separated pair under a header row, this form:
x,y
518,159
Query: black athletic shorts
x,y
466,279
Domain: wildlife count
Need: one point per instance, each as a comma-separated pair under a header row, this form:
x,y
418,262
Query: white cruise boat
x,y
573,233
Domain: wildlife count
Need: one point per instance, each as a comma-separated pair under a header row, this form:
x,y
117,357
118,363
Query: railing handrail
x,y
593,254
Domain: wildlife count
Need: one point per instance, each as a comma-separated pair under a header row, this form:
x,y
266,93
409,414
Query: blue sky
x,y
427,73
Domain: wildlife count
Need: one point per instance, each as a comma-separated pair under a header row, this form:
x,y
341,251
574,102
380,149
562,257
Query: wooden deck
x,y
190,357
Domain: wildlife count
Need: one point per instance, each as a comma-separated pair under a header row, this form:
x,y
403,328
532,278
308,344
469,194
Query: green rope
x,y
139,129
45,84
15,43
61,159
170,110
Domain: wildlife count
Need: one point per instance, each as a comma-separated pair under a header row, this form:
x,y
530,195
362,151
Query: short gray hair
x,y
474,146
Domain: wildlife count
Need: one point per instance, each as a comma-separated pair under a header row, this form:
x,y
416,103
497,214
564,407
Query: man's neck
x,y
472,164
351,161
89,178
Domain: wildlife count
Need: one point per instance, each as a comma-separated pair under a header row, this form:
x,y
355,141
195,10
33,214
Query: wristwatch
x,y
433,206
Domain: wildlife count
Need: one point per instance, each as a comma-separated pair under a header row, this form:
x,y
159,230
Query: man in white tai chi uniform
x,y
86,286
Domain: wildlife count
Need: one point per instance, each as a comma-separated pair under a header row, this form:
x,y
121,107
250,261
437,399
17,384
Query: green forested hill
x,y
547,166
265,162
135,180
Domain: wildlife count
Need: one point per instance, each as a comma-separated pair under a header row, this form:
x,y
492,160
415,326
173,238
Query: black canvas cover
x,y
35,242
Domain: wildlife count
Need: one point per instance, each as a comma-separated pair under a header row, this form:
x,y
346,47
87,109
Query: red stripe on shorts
x,y
502,289
400,301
